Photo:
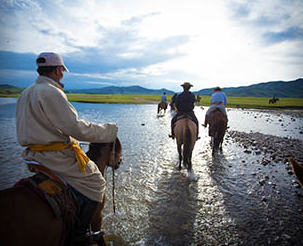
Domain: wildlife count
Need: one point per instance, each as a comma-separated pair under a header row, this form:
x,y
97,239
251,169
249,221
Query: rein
x,y
113,164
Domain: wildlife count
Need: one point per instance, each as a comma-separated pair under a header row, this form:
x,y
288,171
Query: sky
x,y
154,43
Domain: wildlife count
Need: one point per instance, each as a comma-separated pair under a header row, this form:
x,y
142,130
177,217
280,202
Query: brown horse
x,y
298,170
273,100
217,129
185,131
162,106
28,220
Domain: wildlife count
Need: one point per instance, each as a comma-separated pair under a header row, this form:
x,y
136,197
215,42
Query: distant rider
x,y
218,100
164,99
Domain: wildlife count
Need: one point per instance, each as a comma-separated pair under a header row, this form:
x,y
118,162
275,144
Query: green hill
x,y
9,89
129,90
291,89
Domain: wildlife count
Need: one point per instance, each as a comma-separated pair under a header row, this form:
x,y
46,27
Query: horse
x,y
297,169
28,220
162,106
172,106
217,129
273,100
185,131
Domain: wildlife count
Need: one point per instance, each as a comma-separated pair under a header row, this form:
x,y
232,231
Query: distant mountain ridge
x,y
281,89
129,90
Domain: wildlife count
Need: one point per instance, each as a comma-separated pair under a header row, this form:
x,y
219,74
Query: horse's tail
x,y
187,144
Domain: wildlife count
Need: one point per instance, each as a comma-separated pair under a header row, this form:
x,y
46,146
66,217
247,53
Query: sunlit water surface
x,y
158,205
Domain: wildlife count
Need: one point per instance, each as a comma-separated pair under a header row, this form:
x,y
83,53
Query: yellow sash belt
x,y
81,157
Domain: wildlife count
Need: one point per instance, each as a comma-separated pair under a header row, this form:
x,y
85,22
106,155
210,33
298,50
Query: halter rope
x,y
112,155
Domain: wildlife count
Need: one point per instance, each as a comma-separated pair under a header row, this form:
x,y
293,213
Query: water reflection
x,y
157,205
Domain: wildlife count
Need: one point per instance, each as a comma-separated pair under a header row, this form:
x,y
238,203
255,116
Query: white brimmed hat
x,y
50,59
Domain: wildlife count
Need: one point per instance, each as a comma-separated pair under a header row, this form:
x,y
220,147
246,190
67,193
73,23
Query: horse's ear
x,y
118,146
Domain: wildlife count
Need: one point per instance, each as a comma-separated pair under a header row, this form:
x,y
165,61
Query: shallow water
x,y
158,205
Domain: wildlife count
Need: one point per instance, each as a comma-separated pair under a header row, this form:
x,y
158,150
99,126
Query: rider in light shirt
x,y
163,98
218,100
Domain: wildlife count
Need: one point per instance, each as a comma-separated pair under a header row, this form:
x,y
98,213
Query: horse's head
x,y
106,154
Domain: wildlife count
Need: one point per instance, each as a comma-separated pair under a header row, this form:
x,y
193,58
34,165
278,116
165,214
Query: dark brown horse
x,y
298,170
26,219
217,129
162,106
185,131
273,100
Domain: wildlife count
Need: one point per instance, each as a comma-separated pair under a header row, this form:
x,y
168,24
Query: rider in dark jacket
x,y
185,103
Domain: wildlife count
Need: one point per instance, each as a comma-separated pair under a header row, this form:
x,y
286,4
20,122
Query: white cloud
x,y
227,43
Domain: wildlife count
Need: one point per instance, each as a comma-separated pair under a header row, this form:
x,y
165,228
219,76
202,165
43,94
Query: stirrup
x,y
198,138
171,136
94,236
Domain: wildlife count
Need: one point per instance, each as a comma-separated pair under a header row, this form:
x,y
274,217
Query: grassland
x,y
233,102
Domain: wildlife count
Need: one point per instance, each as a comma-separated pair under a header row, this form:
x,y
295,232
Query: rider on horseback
x,y
218,100
164,99
185,103
47,124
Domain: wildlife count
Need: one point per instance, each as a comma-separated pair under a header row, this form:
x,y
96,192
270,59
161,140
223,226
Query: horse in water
x,y
26,219
217,129
185,131
162,106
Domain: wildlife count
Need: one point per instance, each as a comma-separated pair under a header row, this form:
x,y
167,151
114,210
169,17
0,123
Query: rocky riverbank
x,y
273,149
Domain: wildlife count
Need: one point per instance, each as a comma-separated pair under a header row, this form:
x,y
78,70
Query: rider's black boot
x,y
81,232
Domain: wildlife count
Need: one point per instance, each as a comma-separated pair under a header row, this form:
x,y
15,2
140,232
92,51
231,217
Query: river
x,y
158,205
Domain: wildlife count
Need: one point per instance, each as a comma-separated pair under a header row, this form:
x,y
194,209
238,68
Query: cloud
x,y
272,21
292,34
232,42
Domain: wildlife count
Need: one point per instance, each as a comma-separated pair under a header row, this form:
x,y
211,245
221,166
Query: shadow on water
x,y
173,213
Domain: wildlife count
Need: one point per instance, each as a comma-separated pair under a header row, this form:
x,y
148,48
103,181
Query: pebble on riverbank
x,y
275,149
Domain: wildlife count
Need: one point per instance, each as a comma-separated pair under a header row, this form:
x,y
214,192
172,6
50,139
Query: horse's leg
x,y
180,155
97,218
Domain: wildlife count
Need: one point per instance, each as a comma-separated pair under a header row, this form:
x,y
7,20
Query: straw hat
x,y
218,88
187,84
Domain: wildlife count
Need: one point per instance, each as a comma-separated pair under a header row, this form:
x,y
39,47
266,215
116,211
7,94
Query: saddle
x,y
62,199
217,109
184,115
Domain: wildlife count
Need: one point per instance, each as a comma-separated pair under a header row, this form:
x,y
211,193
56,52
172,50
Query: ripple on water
x,y
157,205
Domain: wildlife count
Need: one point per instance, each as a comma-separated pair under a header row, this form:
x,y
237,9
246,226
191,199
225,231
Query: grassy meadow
x,y
233,102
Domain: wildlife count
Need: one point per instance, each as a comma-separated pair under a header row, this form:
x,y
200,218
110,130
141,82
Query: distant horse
x,y
26,219
298,170
273,100
217,129
185,131
172,106
162,106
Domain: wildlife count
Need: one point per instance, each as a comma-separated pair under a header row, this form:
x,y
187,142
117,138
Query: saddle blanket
x,y
62,200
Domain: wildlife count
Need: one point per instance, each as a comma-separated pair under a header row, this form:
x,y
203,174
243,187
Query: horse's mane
x,y
94,152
